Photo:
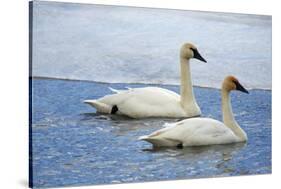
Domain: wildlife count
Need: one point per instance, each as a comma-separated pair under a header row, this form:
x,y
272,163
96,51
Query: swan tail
x,y
100,107
145,137
160,141
149,139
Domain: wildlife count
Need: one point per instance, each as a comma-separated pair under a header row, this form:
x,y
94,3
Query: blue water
x,y
72,145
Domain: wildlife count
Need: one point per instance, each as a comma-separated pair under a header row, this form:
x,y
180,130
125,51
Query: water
x,y
72,145
117,44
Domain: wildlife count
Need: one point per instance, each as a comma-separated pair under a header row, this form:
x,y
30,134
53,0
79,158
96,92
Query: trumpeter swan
x,y
203,131
155,101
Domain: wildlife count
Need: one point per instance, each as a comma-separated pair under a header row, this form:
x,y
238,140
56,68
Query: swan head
x,y
188,51
231,83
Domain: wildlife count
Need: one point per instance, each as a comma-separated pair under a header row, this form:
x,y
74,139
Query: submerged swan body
x,y
203,131
155,101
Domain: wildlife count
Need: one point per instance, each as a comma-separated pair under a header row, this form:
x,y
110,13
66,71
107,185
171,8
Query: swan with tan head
x,y
203,131
155,101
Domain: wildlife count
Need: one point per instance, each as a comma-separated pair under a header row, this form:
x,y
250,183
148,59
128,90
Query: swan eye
x,y
239,87
193,50
197,55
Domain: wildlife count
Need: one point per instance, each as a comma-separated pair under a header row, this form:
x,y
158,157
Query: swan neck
x,y
186,89
228,117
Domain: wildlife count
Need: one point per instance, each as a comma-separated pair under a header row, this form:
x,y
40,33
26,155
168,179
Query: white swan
x,y
155,101
203,131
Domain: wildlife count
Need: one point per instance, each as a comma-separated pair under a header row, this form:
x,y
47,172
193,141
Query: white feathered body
x,y
145,102
192,132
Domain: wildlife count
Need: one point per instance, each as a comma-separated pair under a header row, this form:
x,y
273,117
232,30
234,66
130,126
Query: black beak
x,y
239,87
197,55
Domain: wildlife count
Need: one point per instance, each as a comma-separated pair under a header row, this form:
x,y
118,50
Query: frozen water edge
x,y
137,45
